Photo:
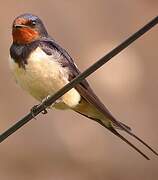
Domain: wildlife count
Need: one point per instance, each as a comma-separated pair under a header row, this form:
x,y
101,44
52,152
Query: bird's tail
x,y
127,129
111,129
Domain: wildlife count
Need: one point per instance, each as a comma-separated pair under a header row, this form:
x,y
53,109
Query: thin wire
x,y
78,79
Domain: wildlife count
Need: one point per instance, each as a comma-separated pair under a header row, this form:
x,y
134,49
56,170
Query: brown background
x,y
63,145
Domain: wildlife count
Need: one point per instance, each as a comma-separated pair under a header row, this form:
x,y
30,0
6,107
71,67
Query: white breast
x,y
44,76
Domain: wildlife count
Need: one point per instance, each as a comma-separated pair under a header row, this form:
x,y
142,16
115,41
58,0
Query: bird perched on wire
x,y
42,67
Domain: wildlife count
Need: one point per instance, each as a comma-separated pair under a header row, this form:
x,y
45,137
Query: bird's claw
x,y
33,109
44,111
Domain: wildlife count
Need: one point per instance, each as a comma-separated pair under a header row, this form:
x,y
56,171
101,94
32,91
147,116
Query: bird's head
x,y
28,28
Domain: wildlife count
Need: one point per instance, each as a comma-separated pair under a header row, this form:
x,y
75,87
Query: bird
x,y
42,67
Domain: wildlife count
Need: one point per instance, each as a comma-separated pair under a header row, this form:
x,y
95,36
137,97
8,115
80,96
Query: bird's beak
x,y
17,26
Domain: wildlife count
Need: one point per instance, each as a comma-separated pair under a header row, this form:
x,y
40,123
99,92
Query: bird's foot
x,y
33,109
44,111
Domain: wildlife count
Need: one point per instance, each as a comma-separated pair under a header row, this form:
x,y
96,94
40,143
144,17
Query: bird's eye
x,y
33,23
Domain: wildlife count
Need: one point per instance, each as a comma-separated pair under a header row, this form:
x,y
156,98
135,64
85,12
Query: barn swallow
x,y
42,67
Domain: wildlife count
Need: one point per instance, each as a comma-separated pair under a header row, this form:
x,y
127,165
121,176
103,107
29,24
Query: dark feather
x,y
20,53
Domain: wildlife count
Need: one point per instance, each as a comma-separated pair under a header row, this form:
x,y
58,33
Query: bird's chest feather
x,y
42,76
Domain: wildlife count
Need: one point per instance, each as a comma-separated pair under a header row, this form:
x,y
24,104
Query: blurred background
x,y
62,145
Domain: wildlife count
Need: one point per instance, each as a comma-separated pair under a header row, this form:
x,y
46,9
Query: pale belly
x,y
43,77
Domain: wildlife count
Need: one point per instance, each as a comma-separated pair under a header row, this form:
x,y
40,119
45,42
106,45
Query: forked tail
x,y
111,129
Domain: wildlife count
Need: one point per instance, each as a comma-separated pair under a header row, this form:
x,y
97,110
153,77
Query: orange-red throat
x,y
23,33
